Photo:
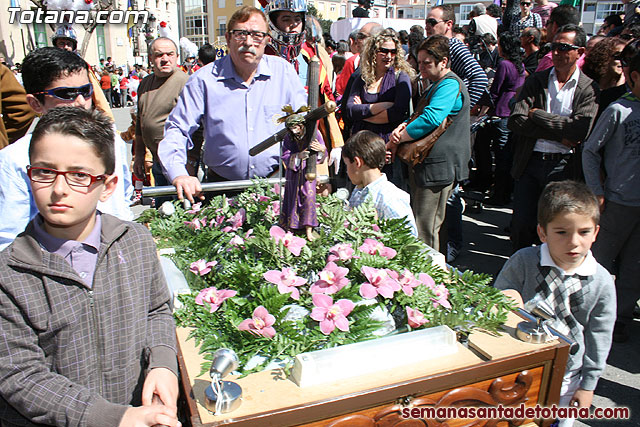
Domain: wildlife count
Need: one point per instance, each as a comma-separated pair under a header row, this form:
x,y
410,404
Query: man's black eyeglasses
x,y
433,21
241,35
524,3
385,51
563,47
73,178
69,93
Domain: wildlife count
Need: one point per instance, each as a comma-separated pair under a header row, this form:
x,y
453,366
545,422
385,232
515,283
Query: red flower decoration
x,y
162,23
134,94
88,1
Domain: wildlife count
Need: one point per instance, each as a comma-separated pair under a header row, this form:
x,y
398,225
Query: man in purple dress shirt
x,y
238,98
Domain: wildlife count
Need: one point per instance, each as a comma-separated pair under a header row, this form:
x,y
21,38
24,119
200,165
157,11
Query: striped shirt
x,y
467,68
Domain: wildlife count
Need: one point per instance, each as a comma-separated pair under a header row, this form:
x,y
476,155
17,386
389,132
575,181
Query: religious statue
x,y
298,210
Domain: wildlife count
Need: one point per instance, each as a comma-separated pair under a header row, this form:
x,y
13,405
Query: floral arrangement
x,y
269,294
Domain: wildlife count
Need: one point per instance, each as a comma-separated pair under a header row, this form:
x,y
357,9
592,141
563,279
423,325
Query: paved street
x,y
486,248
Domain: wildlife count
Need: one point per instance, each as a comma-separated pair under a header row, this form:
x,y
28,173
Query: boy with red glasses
x,y
52,77
81,343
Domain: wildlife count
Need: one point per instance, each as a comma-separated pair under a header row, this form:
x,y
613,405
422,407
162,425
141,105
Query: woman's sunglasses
x,y
385,51
69,93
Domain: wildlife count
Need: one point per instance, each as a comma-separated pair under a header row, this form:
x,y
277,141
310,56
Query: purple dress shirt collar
x,y
82,256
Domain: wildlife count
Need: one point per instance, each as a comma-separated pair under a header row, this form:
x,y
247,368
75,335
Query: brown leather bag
x,y
414,152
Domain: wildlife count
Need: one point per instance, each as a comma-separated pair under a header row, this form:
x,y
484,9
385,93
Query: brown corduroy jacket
x,y
74,355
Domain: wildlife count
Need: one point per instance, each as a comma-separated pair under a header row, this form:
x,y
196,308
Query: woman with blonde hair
x,y
379,99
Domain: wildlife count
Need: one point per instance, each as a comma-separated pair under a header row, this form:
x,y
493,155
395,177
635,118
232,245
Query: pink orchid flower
x,y
217,222
373,247
248,234
286,280
427,280
375,228
406,280
442,296
195,208
380,283
340,252
415,318
276,189
274,208
236,221
291,242
260,323
202,267
195,223
236,241
331,315
214,297
332,279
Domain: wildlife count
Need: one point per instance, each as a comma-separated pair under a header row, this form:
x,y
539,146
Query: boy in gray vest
x,y
563,273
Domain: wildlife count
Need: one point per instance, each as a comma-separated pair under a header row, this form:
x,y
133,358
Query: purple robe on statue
x,y
298,208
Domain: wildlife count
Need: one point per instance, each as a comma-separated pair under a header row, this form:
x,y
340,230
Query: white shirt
x,y
560,102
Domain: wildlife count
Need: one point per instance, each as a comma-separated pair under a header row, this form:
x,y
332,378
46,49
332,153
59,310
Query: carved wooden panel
x,y
508,390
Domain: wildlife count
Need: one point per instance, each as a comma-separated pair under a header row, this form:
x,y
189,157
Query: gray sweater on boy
x,y
616,138
591,313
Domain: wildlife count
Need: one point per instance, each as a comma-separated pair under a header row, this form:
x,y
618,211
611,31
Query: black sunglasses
x,y
563,47
525,4
69,93
433,21
384,51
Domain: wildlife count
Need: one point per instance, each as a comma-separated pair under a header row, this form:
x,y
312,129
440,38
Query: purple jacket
x,y
504,86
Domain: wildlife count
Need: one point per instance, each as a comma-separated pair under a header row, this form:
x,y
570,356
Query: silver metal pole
x,y
170,190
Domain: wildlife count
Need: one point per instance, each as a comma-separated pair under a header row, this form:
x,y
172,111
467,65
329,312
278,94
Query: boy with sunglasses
x,y
52,77
87,331
614,146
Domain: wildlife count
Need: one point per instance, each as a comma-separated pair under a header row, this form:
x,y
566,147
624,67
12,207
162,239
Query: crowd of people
x,y
527,110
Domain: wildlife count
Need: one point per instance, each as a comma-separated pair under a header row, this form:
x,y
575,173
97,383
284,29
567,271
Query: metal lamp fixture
x,y
223,396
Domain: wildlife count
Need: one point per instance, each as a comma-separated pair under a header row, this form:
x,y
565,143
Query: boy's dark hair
x,y
581,37
368,146
206,53
567,197
91,126
563,15
46,64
